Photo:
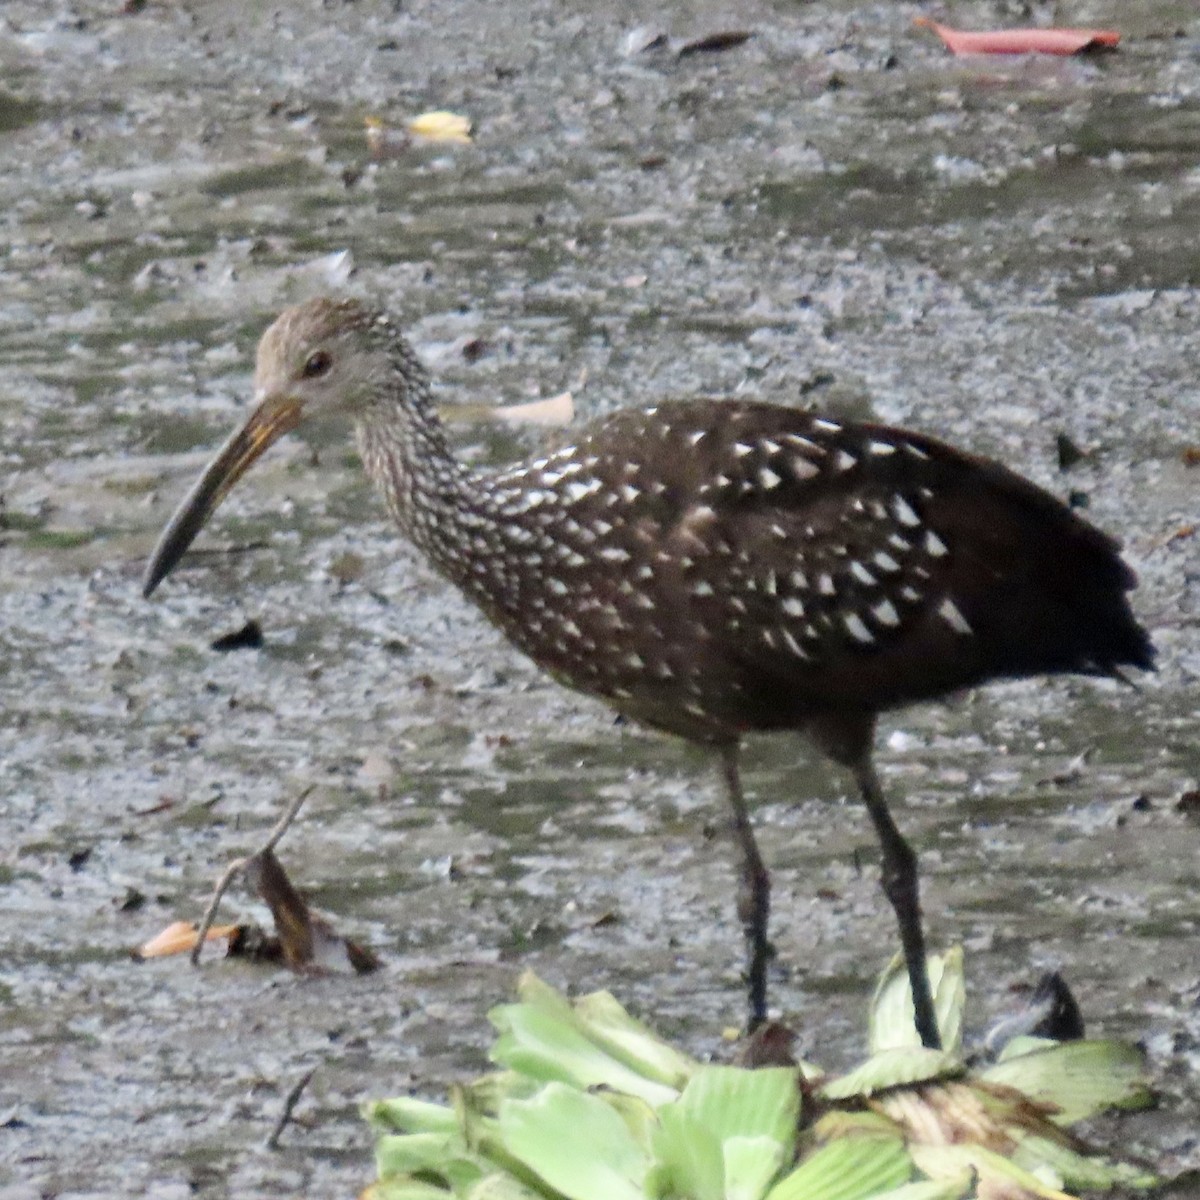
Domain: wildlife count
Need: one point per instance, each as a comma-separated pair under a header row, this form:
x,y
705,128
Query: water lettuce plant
x,y
589,1104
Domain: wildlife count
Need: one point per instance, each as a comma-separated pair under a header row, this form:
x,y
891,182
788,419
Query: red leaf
x,y
1022,41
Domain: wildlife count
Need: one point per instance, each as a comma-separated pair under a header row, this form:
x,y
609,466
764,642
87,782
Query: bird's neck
x,y
403,447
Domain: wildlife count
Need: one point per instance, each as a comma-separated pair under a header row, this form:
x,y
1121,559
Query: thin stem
x,y
238,865
289,1106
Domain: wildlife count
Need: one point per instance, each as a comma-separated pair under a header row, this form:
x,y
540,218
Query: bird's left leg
x,y
754,891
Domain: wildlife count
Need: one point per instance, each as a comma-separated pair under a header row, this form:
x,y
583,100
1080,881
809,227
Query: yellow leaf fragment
x,y
441,126
180,938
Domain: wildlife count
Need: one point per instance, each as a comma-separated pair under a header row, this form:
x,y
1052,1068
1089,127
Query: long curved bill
x,y
274,417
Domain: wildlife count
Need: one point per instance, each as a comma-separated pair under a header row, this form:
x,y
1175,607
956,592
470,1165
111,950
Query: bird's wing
x,y
883,566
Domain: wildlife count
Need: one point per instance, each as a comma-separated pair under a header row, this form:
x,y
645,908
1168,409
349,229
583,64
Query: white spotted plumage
x,y
764,555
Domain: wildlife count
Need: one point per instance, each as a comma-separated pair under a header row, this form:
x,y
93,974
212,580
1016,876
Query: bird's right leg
x,y
848,738
900,885
754,891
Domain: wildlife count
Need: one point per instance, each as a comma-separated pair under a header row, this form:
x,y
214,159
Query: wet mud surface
x,y
834,213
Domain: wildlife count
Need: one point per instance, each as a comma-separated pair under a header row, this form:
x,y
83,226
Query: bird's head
x,y
322,358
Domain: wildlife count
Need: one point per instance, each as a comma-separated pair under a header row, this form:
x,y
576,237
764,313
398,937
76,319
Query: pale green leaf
x,y
942,1162
892,1020
732,1102
607,1024
409,1153
403,1114
751,1164
575,1143
640,1119
720,1105
893,1068
850,1169
688,1157
957,1188
500,1186
535,991
1079,1079
547,1047
1078,1170
1025,1044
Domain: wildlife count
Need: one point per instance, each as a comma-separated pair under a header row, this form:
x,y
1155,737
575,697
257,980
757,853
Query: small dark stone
x,y
821,379
714,42
1068,452
78,860
249,637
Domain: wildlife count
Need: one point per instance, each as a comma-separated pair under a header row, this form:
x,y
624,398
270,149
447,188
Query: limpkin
x,y
717,568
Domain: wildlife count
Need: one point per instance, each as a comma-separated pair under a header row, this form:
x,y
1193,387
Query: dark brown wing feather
x,y
726,566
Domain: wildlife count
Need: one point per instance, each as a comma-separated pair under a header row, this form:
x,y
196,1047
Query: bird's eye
x,y
317,364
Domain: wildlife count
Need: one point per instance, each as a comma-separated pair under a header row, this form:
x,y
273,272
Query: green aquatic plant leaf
x,y
1088,1173
591,1105
576,1143
728,1134
1079,1079
501,1186
404,1114
688,1158
411,1153
897,1067
547,1049
960,1187
855,1168
733,1102
892,1023
640,1118
992,1170
543,1038
751,1165
611,1028
429,1158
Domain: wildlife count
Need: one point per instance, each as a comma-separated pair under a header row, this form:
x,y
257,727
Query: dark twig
x,y
289,1105
239,864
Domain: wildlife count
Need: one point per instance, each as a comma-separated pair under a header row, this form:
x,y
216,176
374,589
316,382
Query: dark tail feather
x,y
1110,637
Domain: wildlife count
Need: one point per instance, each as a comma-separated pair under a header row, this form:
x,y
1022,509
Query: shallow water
x,y
835,213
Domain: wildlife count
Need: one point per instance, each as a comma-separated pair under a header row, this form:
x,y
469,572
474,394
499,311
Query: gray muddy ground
x,y
836,212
